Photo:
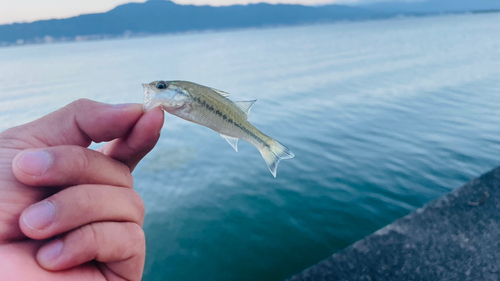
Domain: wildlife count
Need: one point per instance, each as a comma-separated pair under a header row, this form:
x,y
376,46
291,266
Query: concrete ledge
x,y
455,237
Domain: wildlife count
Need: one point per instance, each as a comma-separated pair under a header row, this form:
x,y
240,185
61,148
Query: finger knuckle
x,y
90,237
137,236
96,233
79,103
132,243
139,240
139,205
11,138
85,162
75,106
127,176
86,236
130,180
84,199
81,159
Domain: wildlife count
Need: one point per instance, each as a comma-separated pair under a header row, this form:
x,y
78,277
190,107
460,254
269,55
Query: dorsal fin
x,y
245,106
220,92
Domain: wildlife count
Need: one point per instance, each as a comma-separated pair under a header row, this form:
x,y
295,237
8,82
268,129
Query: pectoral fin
x,y
245,106
232,141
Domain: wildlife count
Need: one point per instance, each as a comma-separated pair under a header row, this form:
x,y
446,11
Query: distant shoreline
x,y
129,34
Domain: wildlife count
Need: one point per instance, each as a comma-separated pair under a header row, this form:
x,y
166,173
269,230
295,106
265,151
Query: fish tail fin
x,y
273,152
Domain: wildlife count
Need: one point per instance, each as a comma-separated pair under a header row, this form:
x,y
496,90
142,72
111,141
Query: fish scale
x,y
223,121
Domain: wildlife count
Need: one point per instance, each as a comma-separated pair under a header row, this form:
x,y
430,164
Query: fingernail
x,y
124,105
40,215
34,163
50,252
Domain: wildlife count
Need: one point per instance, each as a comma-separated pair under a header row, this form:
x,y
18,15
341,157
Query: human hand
x,y
52,186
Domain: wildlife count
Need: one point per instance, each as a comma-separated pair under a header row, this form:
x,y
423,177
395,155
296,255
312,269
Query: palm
x,y
14,198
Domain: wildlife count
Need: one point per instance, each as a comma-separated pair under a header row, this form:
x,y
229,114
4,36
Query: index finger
x,y
142,138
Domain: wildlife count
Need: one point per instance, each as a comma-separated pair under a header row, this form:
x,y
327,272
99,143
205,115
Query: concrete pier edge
x,y
455,237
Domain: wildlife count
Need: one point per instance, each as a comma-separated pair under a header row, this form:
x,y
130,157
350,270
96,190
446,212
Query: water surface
x,y
382,116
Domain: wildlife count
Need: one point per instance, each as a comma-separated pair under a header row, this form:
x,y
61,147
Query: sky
x,y
31,10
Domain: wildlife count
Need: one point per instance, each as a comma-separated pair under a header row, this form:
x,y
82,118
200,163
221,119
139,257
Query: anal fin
x,y
232,141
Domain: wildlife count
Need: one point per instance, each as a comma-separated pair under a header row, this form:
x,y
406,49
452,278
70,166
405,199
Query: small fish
x,y
211,108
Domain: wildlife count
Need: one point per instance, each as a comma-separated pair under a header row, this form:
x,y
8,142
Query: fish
x,y
212,108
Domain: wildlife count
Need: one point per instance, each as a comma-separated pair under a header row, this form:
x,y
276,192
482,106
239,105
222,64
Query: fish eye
x,y
161,85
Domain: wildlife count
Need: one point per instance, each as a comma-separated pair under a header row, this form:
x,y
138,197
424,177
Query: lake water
x,y
382,116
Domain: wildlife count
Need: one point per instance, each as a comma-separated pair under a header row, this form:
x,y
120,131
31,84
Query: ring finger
x,y
91,203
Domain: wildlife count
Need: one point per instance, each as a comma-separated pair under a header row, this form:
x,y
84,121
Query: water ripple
x,y
382,116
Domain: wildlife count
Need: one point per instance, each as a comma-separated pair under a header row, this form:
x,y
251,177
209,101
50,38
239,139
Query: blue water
x,y
382,116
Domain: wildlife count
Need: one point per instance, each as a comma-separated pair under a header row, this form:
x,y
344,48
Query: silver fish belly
x,y
211,108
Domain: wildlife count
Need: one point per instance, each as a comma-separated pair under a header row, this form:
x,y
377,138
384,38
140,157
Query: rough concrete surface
x,y
455,237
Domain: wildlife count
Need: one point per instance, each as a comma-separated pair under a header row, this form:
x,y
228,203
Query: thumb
x,y
78,123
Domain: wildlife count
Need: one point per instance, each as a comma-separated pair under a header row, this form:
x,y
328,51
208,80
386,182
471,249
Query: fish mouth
x,y
149,98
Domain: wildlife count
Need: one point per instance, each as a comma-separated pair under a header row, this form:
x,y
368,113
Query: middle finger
x,y
69,165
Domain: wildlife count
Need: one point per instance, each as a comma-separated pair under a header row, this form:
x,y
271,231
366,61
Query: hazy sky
x,y
31,10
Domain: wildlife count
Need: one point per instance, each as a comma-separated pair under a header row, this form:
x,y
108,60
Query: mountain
x,y
160,16
431,6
